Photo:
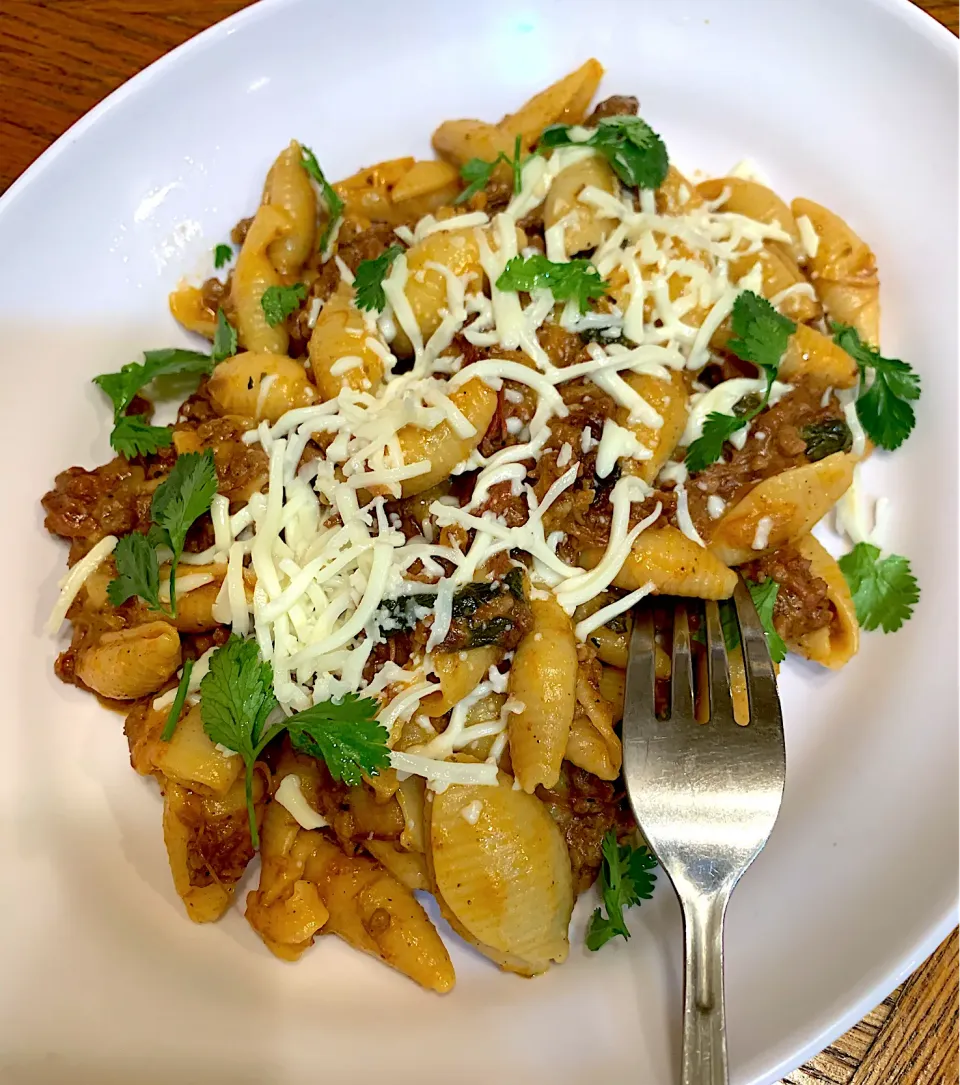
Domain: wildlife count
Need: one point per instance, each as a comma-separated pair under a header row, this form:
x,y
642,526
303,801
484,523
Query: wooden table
x,y
58,58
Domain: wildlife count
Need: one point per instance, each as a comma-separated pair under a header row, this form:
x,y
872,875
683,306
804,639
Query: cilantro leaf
x,y
626,879
333,202
178,501
236,697
477,171
123,386
760,333
764,598
138,572
635,152
224,338
576,279
368,280
278,302
134,436
177,707
346,736
884,407
885,591
760,336
222,255
708,447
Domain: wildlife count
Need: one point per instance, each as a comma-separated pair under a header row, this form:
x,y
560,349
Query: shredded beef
x,y
802,604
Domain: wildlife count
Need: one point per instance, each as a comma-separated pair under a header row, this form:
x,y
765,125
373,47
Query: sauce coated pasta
x,y
366,603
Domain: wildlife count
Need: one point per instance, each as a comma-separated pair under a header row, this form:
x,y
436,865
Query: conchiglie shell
x,y
188,309
341,332
190,758
779,274
253,274
587,749
459,141
585,226
195,828
426,288
543,677
611,645
669,399
838,642
371,816
408,867
563,102
410,795
812,356
754,201
366,193
676,196
613,686
425,178
374,912
675,565
236,386
130,663
288,187
460,673
793,501
440,446
843,272
506,879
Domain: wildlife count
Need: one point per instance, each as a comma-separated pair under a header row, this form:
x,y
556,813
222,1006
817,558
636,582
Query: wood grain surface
x,y
58,58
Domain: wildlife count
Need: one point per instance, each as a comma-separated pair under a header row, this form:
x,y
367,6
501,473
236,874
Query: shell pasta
x,y
366,603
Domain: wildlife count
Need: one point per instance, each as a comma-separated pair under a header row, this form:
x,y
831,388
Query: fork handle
x,y
704,1051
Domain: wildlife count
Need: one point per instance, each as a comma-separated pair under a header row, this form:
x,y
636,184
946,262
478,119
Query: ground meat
x,y
773,446
489,614
86,506
802,604
215,295
514,400
219,847
239,233
241,469
617,105
563,348
585,808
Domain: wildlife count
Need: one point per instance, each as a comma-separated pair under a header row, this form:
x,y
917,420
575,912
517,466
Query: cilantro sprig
x,y
332,201
626,878
222,255
576,279
278,302
178,702
237,699
760,336
884,590
883,407
178,502
132,434
368,280
635,152
478,171
224,338
764,598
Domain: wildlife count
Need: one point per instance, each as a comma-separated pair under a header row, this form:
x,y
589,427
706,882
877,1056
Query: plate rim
x,y
916,20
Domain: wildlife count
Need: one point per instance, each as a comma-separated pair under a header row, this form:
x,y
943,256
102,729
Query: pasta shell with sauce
x,y
837,643
253,274
505,877
781,508
675,564
543,678
843,271
373,911
130,663
585,226
340,334
259,385
288,187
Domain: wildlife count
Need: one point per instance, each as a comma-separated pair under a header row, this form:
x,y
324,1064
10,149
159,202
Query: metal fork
x,y
706,797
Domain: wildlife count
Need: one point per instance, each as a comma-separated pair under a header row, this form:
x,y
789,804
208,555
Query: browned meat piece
x,y
802,602
617,105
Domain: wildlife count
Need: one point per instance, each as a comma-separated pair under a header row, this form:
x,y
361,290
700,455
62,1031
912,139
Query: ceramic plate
x,y
852,104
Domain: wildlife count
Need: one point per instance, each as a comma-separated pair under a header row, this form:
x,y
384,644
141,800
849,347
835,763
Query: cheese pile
x,y
325,555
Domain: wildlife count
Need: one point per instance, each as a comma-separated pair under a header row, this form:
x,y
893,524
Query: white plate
x,y
105,980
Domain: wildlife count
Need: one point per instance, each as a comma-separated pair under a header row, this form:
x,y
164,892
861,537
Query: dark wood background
x,y
58,58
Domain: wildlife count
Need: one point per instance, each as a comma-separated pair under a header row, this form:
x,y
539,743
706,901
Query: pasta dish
x,y
366,602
